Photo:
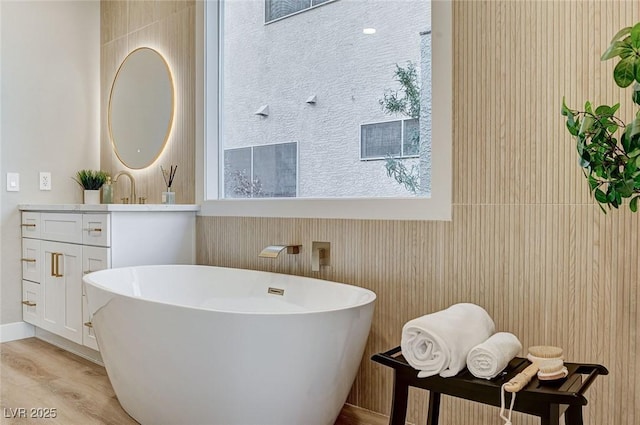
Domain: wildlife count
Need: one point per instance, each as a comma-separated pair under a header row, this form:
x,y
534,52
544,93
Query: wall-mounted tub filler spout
x,y
133,184
272,251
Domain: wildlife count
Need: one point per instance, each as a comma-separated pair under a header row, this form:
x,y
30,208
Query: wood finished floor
x,y
36,374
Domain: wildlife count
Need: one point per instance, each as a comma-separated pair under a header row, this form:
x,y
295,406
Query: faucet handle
x,y
320,255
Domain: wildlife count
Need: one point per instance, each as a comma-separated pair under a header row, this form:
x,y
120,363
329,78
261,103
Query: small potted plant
x,y
91,181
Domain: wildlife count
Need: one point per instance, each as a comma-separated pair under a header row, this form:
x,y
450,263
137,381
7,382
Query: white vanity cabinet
x,y
61,243
61,285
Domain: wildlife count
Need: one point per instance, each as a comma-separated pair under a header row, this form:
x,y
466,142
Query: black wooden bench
x,y
548,400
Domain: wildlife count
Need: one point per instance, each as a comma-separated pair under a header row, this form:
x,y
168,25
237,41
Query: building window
x,y
391,139
315,80
276,9
265,171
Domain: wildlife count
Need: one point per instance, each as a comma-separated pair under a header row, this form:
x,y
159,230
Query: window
x,y
268,171
276,9
283,81
316,79
392,139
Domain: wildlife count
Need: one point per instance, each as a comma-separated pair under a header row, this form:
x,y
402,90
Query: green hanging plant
x,y
608,149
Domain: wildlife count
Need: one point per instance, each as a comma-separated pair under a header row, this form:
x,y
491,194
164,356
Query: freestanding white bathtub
x,y
209,345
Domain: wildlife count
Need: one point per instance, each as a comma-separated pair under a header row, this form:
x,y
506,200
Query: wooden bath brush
x,y
538,354
551,370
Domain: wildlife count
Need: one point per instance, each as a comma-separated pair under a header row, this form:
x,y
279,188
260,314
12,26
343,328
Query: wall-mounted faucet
x,y
272,251
133,184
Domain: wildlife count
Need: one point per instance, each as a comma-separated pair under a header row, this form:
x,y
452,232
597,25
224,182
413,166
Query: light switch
x,y
13,182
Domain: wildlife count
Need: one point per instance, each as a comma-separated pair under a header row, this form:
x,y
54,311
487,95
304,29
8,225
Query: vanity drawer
x,y
31,259
31,303
30,224
96,229
61,227
95,258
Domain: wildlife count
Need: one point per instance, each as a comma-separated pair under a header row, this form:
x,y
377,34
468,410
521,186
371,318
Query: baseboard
x,y
16,330
70,346
21,330
354,415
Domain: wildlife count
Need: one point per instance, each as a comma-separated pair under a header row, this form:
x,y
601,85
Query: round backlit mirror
x,y
141,108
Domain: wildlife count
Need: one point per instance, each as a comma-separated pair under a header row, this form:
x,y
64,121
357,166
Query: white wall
x,y
49,115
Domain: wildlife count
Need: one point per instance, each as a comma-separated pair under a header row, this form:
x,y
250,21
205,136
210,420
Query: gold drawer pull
x,y
94,229
89,324
29,260
29,303
28,225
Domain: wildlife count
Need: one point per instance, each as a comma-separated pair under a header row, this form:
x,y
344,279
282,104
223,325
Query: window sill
x,y
353,208
384,158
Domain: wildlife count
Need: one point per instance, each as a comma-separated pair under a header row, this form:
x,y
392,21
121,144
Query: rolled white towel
x,y
488,359
438,343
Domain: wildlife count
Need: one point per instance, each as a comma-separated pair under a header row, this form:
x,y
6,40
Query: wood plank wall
x,y
168,27
526,242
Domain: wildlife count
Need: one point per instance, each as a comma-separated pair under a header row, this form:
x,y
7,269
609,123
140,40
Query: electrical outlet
x,y
45,180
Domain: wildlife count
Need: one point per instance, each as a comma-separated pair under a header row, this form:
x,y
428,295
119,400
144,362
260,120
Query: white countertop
x,y
108,207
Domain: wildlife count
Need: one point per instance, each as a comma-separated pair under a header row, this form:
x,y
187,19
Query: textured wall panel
x,y
526,241
541,271
167,26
